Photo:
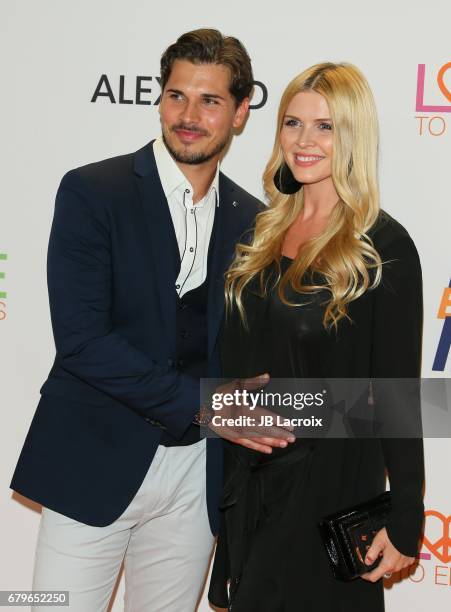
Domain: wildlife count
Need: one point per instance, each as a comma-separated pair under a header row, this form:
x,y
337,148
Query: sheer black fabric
x,y
270,556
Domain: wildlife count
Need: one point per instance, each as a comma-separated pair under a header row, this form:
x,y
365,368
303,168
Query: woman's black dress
x,y
269,556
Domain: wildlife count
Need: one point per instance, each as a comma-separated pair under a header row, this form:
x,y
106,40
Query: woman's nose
x,y
305,137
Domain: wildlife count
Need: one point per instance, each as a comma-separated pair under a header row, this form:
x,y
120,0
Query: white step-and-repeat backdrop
x,y
80,83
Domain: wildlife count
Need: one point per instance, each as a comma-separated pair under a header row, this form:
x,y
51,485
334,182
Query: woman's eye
x,y
292,122
325,126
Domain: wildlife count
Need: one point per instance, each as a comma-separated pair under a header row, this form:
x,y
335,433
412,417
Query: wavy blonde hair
x,y
343,254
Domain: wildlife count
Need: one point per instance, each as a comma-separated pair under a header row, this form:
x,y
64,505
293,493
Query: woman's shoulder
x,y
391,239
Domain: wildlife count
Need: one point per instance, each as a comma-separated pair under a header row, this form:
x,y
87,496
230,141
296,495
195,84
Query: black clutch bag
x,y
348,534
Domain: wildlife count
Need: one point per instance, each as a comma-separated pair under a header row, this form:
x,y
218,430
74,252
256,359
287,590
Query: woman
x,y
329,286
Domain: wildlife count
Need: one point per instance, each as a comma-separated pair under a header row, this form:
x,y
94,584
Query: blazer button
x,y
170,362
180,363
184,333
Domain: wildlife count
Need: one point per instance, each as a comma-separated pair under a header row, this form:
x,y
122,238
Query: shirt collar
x,y
171,177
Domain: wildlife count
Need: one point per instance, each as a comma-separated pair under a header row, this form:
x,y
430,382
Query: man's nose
x,y
190,113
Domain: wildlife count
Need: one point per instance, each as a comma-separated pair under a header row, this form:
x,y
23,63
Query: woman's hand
x,y
392,560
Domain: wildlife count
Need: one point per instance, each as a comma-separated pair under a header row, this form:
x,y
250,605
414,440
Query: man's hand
x,y
251,433
392,560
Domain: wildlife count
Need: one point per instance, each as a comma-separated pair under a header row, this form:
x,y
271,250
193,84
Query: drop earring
x,y
284,180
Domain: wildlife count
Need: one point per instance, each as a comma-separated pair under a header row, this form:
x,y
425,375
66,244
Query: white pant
x,y
164,535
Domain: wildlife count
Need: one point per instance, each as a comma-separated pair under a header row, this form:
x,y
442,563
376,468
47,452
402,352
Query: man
x,y
137,252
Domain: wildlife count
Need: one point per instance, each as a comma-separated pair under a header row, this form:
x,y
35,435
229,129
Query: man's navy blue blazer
x,y
112,268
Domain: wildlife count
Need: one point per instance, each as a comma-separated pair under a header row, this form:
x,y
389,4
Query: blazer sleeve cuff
x,y
181,408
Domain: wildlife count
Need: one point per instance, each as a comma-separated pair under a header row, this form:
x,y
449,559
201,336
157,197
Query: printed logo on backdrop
x,y
440,547
146,90
3,294
434,98
434,565
444,343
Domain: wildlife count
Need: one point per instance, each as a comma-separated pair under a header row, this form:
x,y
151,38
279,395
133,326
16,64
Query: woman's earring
x,y
285,181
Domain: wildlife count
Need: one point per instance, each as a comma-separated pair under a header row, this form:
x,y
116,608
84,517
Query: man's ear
x,y
241,113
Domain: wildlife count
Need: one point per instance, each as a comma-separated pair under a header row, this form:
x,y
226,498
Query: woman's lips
x,y
307,160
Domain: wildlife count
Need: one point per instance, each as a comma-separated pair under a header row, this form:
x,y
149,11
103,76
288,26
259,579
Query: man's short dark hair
x,y
209,46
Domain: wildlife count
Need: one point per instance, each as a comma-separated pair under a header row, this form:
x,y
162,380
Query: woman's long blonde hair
x,y
344,254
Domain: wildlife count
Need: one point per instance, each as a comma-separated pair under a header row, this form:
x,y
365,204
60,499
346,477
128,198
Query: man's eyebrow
x,y
211,95
179,92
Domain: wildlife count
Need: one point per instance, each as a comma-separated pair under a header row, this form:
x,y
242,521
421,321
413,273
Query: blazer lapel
x,y
227,230
163,242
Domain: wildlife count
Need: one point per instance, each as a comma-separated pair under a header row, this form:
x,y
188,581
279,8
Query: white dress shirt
x,y
193,223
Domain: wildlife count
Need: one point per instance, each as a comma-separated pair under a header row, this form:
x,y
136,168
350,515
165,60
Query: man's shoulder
x,y
112,174
105,175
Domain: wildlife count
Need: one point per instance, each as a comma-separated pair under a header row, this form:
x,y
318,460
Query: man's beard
x,y
194,158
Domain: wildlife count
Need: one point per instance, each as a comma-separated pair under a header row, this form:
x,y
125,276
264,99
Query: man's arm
x,y
80,288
